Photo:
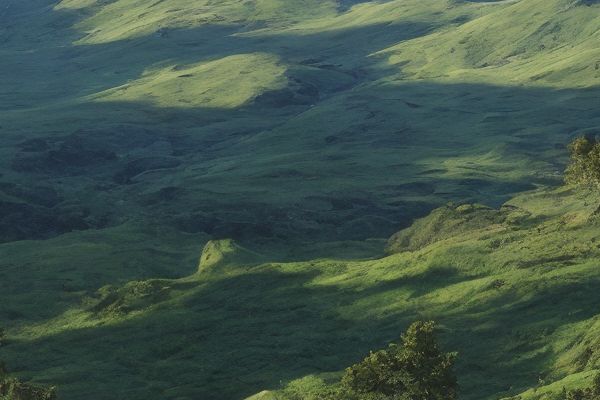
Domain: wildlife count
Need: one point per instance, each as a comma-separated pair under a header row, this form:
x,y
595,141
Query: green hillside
x,y
290,140
516,296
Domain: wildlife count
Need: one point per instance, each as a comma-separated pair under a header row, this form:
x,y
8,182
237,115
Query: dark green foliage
x,y
584,167
13,389
415,369
591,393
2,337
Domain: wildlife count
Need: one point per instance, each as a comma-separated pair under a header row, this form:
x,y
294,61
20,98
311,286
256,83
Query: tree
x,y
584,166
415,369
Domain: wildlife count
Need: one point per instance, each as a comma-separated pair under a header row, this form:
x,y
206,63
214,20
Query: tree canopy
x,y
414,369
584,166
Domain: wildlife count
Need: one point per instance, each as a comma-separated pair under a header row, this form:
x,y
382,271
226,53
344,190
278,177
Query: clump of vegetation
x,y
415,369
584,167
14,389
591,393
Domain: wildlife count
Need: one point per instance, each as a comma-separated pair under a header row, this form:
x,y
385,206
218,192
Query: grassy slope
x,y
539,43
341,123
517,298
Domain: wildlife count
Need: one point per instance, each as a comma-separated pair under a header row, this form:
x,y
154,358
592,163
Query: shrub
x,y
415,369
13,389
584,166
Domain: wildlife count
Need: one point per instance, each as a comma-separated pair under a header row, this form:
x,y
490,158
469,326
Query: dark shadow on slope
x,y
231,337
345,5
375,178
510,332
89,72
420,284
228,339
234,176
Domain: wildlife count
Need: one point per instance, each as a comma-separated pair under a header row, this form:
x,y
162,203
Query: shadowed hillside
x,y
515,297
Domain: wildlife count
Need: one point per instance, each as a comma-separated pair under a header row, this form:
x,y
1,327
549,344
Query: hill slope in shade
x,y
236,126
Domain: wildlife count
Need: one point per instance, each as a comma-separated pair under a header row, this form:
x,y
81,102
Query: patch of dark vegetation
x,y
20,221
163,195
196,223
414,188
497,284
310,83
584,166
332,139
297,95
460,20
587,2
339,215
71,155
40,212
11,315
412,105
239,226
14,389
345,5
145,164
433,171
38,195
88,150
486,187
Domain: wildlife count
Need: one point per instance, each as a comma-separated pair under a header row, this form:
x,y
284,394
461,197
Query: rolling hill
x,y
295,138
